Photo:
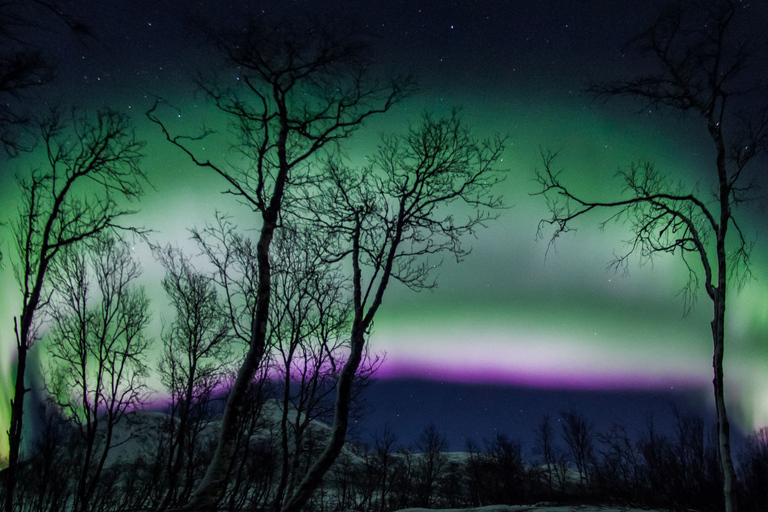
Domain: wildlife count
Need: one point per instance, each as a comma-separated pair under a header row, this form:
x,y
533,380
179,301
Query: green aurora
x,y
517,311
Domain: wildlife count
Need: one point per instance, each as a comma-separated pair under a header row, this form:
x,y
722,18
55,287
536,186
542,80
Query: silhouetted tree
x,y
55,214
505,471
387,220
545,446
193,364
618,471
754,470
700,67
578,435
474,471
254,470
384,447
23,67
431,463
306,342
303,89
49,473
97,349
306,329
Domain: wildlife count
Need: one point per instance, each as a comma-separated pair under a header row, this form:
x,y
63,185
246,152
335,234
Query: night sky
x,y
513,324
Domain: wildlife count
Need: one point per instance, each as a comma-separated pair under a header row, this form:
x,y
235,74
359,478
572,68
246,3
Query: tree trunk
x,y
723,426
285,465
214,481
314,476
14,434
176,458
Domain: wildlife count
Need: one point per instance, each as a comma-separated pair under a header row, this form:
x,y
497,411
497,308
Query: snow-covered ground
x,y
541,507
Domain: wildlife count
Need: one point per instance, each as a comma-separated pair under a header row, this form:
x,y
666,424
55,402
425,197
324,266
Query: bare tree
x,y
101,151
619,469
384,447
302,88
388,220
23,68
578,436
700,69
306,339
235,271
431,463
98,349
195,359
307,328
545,445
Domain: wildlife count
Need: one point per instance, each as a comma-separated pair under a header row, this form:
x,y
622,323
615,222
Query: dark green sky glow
x,y
507,314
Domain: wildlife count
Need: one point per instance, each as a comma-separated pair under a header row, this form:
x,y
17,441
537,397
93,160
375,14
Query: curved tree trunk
x,y
314,476
214,481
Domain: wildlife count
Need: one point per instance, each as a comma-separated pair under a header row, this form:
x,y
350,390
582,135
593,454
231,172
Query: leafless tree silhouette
x,y
101,151
307,329
302,89
578,435
196,357
432,464
24,67
387,220
700,69
98,349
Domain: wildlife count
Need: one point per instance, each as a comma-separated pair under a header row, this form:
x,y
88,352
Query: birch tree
x,y
701,69
195,359
97,350
389,221
100,152
302,89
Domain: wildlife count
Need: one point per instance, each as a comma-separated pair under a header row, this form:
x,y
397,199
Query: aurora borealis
x,y
515,312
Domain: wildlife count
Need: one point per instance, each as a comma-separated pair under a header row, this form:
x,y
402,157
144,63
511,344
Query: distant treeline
x,y
570,463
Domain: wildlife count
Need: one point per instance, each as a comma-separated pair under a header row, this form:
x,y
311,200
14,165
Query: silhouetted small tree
x,y
307,330
754,473
196,353
384,446
545,446
49,474
430,464
388,221
578,435
505,471
97,350
618,468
